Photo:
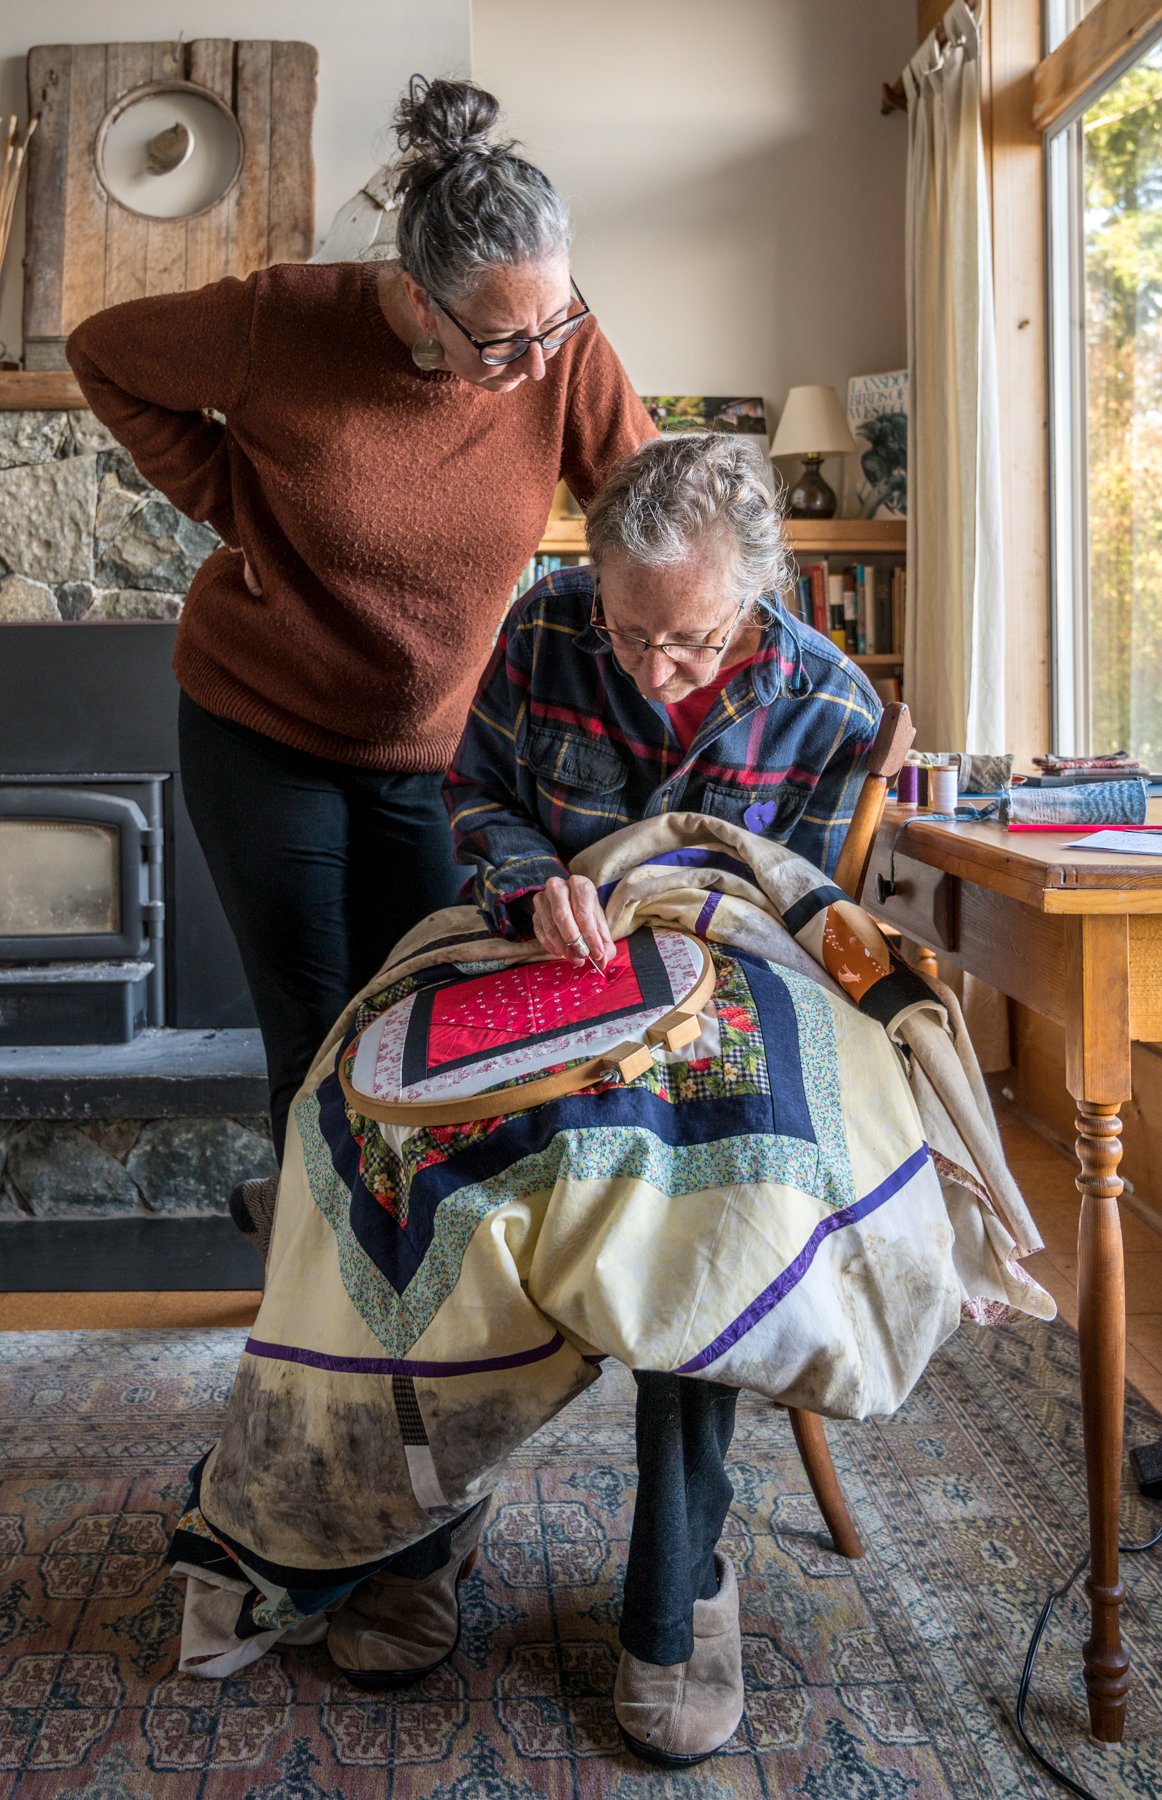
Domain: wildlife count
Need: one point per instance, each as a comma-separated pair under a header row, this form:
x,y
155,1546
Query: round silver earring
x,y
427,352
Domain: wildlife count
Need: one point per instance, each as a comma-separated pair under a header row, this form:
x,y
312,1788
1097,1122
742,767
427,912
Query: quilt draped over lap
x,y
805,1201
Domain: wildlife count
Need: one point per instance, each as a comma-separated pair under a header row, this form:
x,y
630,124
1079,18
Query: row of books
x,y
861,607
887,687
543,565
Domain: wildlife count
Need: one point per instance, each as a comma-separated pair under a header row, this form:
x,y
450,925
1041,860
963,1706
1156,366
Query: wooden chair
x,y
884,761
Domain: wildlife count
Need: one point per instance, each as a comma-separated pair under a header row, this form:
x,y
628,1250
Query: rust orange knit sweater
x,y
386,512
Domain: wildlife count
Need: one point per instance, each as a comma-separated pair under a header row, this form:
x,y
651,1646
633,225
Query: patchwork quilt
x,y
804,1201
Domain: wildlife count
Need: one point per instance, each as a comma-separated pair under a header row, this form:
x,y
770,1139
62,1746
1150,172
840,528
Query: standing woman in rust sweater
x,y
393,435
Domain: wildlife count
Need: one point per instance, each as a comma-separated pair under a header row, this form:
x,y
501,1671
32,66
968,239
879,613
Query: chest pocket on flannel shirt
x,y
781,804
584,778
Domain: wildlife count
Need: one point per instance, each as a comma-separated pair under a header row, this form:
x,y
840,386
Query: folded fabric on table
x,y
1094,803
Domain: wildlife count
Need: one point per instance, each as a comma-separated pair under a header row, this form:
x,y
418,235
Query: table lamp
x,y
812,426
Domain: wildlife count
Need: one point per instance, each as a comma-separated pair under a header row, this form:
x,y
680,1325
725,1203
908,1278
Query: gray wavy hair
x,y
664,499
467,203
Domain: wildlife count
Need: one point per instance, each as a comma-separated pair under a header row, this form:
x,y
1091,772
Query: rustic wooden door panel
x,y
292,164
165,239
210,236
86,204
85,251
129,66
50,72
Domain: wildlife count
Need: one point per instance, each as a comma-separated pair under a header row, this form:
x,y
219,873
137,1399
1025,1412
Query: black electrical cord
x,y
886,884
1059,1775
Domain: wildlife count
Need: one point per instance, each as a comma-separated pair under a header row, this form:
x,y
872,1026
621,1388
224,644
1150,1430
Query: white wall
x,y
738,200
367,49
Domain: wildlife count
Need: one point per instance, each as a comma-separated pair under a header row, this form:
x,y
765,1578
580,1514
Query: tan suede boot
x,y
394,1630
681,1713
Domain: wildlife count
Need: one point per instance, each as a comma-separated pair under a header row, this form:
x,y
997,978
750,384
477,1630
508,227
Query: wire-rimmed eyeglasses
x,y
496,352
630,645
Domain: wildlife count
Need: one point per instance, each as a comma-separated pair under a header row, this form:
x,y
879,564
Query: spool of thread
x,y
942,788
908,785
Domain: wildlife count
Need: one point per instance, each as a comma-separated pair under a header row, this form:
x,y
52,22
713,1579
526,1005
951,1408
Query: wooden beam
x,y
49,390
1092,48
1011,48
929,13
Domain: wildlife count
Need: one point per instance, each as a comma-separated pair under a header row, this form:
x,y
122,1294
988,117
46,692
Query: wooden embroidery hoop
x,y
681,1025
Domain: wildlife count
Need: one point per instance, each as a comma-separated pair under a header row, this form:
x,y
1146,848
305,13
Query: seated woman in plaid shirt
x,y
667,677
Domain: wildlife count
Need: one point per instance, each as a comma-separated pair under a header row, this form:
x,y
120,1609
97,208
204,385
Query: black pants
x,y
320,868
684,1428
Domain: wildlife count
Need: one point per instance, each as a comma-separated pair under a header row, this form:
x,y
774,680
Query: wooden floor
x,y
1044,1174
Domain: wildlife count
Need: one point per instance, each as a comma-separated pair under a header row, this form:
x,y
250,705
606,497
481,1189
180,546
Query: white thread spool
x,y
942,788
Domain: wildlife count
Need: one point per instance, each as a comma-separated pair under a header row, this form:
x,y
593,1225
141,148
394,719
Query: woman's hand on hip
x,y
568,921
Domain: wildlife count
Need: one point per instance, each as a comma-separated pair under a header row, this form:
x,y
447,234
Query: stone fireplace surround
x,y
116,1161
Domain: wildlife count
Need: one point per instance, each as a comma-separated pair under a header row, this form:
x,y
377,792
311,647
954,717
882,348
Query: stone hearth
x,y
115,1161
82,536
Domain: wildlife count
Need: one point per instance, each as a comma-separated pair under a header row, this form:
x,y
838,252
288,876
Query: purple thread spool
x,y
908,785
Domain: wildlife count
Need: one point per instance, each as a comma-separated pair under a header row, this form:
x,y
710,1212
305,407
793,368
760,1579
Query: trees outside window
x,y
1106,214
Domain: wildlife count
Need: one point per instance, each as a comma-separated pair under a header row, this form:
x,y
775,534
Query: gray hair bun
x,y
439,122
467,203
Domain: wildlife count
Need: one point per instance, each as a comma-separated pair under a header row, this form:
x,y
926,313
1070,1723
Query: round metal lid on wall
x,y
168,150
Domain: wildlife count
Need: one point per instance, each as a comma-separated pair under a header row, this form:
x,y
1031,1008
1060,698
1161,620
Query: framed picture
x,y
876,480
709,412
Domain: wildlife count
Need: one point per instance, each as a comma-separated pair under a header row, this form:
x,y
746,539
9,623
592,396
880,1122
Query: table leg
x,y
1101,1307
1097,1043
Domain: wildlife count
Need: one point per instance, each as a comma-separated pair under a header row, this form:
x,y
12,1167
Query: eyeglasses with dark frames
x,y
496,352
631,645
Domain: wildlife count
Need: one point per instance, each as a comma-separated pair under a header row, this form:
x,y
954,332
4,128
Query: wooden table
x,y
1077,936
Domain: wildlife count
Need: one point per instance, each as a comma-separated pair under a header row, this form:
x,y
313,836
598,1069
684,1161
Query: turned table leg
x,y
1101,1326
1097,986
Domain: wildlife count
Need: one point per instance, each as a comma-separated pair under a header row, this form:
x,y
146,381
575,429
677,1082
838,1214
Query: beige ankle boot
x,y
680,1713
393,1630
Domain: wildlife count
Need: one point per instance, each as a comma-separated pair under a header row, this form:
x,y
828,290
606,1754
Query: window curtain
x,y
954,629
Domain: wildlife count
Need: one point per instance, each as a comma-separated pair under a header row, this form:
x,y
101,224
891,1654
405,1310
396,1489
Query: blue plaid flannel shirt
x,y
561,749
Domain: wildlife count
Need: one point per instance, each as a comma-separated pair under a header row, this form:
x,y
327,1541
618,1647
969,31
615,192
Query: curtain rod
x,y
892,95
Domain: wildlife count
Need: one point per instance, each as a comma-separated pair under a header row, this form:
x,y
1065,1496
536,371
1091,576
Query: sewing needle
x,y
594,965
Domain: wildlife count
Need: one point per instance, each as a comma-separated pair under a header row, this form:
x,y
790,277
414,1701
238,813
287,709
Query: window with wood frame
x,y
1098,96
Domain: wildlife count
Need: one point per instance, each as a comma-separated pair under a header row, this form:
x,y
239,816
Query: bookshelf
x,y
565,536
847,540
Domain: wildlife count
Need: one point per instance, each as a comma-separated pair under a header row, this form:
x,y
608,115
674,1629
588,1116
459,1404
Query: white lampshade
x,y
813,424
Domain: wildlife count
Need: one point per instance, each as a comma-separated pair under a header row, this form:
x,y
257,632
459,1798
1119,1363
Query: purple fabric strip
x,y
390,1365
691,858
793,1274
705,916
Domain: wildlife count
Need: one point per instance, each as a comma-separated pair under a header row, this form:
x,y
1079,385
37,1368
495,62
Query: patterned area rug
x,y
877,1680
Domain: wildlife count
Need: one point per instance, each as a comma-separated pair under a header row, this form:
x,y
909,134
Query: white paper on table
x,y
1126,843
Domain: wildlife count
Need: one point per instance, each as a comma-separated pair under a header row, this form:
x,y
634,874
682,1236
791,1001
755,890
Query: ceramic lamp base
x,y
811,497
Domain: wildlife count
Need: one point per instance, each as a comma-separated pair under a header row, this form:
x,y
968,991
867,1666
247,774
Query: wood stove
x,y
82,908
